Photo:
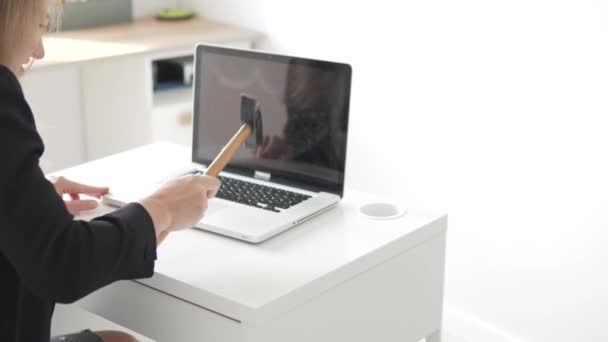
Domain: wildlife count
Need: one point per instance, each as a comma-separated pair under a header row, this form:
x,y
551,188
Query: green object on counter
x,y
174,14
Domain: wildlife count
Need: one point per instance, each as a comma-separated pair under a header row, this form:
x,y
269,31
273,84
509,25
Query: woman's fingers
x,y
87,189
77,206
64,185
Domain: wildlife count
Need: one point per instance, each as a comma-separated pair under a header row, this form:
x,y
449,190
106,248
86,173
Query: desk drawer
x,y
158,315
173,122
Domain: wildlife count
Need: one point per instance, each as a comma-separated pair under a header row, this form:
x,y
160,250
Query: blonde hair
x,y
18,16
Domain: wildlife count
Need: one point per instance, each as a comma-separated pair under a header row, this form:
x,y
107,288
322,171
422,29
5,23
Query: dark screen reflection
x,y
304,106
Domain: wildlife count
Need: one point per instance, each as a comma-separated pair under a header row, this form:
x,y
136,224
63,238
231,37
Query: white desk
x,y
338,277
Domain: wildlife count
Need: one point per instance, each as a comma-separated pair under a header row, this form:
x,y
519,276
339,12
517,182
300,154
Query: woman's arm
x,y
56,257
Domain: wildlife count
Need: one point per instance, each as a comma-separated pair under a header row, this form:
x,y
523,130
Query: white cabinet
x,y
117,95
171,116
54,95
92,96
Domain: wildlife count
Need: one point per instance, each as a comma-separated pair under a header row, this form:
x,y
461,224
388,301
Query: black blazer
x,y
47,257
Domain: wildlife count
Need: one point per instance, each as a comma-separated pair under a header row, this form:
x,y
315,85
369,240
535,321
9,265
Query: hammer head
x,y
252,116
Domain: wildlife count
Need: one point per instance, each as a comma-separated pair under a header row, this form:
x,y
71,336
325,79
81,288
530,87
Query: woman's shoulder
x,y
13,105
17,126
8,80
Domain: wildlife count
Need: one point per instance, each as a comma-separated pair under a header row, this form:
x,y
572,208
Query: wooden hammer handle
x,y
226,154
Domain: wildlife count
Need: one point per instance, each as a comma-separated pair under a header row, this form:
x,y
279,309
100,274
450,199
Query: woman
x,y
47,257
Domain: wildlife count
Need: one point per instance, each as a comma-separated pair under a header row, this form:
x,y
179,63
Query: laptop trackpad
x,y
214,208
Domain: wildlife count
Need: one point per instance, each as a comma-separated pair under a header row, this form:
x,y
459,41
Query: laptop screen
x,y
304,107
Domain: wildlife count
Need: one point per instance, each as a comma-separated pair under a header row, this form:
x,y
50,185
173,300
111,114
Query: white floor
x,y
450,338
69,319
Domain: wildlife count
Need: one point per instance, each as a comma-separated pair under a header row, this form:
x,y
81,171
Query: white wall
x,y
494,111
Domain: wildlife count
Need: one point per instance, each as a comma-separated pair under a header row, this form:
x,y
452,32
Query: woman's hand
x,y
179,203
76,205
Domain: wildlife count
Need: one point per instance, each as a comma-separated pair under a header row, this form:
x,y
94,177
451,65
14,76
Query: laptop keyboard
x,y
259,196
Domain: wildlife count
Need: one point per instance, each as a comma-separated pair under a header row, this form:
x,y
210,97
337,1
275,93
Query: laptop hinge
x,y
261,175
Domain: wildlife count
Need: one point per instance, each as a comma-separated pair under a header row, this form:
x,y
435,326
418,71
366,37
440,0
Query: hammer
x,y
250,133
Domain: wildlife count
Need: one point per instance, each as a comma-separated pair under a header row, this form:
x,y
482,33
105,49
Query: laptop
x,y
295,168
